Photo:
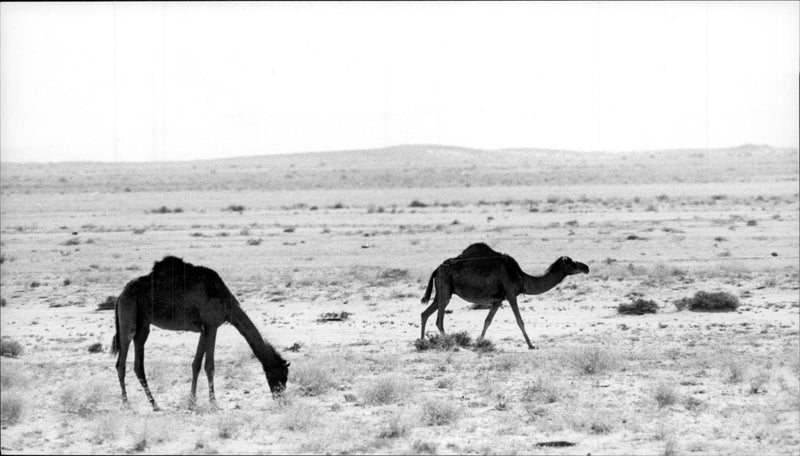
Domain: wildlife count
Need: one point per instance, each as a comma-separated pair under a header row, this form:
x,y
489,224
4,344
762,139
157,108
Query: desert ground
x,y
360,233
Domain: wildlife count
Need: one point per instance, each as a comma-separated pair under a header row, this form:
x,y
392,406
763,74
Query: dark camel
x,y
481,275
182,297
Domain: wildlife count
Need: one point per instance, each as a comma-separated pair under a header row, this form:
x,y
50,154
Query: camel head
x,y
276,377
571,267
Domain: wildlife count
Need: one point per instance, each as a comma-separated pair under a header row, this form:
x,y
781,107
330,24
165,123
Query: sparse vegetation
x,y
417,203
96,347
255,241
709,302
299,416
12,406
542,390
80,399
638,307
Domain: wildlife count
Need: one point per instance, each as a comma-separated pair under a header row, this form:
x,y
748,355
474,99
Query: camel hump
x,y
169,265
174,273
479,249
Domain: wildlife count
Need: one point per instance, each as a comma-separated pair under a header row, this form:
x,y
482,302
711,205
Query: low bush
x,y
638,307
96,347
704,301
235,208
395,426
110,303
482,345
10,348
452,341
665,395
438,412
334,316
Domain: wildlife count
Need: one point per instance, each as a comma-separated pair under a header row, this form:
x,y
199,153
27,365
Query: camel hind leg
x,y
125,314
138,361
197,363
492,311
443,295
427,313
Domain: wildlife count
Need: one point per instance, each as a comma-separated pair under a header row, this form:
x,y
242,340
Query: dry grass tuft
x,y
437,412
78,398
394,427
299,416
542,390
589,360
386,389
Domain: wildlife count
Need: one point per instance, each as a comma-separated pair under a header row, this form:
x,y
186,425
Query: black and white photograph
x,y
415,227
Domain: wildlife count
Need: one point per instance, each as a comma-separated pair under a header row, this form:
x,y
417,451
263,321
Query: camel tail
x,y
430,288
115,340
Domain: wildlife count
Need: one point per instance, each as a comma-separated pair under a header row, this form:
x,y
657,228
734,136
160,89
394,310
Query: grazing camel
x,y
182,297
481,275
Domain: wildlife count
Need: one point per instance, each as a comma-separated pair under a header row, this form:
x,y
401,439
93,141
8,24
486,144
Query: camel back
x,y
172,273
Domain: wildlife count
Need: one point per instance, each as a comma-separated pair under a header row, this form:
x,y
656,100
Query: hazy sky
x,y
156,81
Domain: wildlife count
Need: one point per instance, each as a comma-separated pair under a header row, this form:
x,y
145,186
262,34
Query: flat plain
x,y
298,236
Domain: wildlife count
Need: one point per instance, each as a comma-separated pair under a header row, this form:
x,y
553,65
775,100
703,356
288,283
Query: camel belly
x,y
177,326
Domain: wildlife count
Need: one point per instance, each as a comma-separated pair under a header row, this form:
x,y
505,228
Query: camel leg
x,y
198,361
513,302
443,294
489,318
211,338
138,361
427,313
122,358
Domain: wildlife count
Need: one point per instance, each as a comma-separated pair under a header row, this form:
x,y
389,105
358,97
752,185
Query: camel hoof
x,y
533,347
156,408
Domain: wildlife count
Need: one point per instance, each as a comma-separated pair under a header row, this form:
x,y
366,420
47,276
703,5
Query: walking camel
x,y
179,296
481,275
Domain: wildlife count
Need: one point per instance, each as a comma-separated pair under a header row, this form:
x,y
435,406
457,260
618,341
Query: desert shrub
x,y
255,241
665,395
235,208
73,241
317,375
422,447
709,302
734,369
541,390
638,307
440,342
80,399
757,382
334,316
96,347
138,231
147,432
692,403
438,412
166,210
10,348
445,383
11,407
385,389
752,223
35,284
110,303
417,203
482,345
338,206
589,360
299,416
228,426
395,426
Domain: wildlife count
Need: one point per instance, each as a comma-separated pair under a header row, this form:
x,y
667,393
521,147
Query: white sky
x,y
154,81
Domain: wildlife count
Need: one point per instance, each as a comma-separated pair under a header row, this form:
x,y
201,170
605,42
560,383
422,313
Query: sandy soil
x,y
362,233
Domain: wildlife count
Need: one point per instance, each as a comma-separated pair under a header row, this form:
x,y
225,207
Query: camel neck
x,y
540,284
263,351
